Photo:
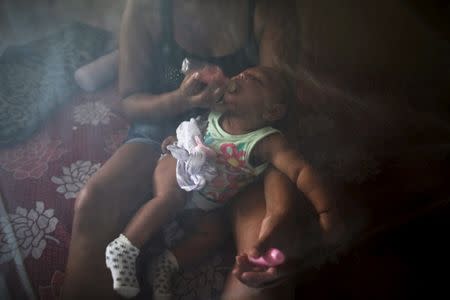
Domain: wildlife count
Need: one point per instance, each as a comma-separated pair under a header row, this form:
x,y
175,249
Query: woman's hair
x,y
285,94
283,16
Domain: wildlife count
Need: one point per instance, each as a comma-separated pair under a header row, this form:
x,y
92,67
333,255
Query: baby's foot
x,y
164,267
121,260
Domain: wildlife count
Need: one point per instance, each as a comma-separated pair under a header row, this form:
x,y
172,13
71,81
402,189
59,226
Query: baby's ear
x,y
275,112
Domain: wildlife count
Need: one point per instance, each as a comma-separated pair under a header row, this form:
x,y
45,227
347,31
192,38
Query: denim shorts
x,y
154,133
147,133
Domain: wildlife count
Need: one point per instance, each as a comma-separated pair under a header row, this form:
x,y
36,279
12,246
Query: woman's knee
x,y
90,204
235,290
85,199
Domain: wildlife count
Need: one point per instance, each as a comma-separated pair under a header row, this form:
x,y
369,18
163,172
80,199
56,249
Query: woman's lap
x,y
121,185
107,204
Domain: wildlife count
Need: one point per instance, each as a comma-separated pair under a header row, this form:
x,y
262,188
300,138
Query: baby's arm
x,y
276,150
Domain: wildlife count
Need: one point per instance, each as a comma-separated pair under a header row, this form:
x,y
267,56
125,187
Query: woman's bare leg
x,y
102,209
206,231
107,202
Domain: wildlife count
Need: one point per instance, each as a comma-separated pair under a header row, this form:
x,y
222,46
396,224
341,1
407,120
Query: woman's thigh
x,y
121,185
102,209
204,232
247,213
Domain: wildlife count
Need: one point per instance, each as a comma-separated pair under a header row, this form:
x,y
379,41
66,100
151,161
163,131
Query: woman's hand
x,y
199,94
256,276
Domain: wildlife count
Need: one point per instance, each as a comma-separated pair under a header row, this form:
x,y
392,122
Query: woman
x,y
155,36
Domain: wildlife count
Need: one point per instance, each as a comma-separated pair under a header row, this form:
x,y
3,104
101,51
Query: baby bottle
x,y
208,73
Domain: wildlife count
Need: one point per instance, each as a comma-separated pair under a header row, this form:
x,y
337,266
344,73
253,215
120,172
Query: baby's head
x,y
261,94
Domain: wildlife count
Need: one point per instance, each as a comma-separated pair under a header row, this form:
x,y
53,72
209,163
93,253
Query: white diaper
x,y
195,161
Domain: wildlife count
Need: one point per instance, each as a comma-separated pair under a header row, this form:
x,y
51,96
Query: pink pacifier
x,y
201,146
272,258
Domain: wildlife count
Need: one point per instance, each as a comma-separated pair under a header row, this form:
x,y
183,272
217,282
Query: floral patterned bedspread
x,y
39,181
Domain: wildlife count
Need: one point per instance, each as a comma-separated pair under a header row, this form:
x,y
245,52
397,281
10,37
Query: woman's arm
x,y
140,32
146,106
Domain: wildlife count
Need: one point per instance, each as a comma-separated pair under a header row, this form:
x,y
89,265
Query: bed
x,y
52,141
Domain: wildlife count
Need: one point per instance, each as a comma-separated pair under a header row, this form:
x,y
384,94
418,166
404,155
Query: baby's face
x,y
252,91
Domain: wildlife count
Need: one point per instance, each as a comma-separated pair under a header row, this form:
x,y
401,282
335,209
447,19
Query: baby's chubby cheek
x,y
232,87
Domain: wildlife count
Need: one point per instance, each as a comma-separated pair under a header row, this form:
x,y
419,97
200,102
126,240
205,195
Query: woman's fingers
x,y
201,93
208,96
191,85
260,279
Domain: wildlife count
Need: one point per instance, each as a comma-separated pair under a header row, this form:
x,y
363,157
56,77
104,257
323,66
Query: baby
x,y
237,146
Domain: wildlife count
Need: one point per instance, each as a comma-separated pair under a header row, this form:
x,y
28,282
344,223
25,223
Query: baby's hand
x,y
168,141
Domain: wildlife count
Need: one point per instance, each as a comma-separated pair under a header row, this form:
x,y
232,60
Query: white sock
x,y
164,266
121,260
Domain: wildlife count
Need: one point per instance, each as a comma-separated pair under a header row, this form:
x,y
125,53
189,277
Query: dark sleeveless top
x,y
169,57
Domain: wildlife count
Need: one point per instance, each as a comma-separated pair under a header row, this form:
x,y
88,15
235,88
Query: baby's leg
x,y
205,232
167,201
121,253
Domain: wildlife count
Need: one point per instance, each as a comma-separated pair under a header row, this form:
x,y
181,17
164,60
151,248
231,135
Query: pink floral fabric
x,y
52,291
39,181
31,159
